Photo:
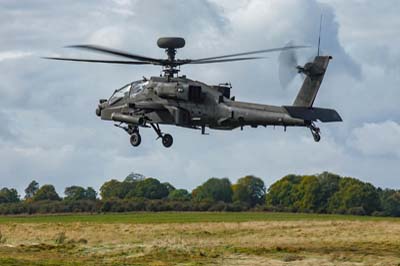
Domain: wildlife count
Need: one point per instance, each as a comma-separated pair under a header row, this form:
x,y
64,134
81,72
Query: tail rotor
x,y
288,62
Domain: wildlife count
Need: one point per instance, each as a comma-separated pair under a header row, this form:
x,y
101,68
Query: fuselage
x,y
188,103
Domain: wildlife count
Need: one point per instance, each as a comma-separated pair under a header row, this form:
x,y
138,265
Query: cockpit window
x,y
138,87
132,89
120,93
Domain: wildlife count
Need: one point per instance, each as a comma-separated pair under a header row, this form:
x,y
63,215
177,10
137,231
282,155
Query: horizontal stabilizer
x,y
313,114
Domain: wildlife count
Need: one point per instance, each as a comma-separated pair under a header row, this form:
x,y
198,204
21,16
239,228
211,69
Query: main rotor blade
x,y
100,61
253,52
106,50
225,60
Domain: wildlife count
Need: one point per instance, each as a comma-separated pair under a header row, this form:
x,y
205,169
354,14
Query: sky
x,y
50,133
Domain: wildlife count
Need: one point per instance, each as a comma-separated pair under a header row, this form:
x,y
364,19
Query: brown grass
x,y
244,243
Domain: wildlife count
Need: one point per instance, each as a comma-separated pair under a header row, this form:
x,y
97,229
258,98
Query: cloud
x,y
6,132
276,22
49,131
108,36
372,36
9,55
377,139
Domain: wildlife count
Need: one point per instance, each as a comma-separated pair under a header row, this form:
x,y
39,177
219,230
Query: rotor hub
x,y
171,43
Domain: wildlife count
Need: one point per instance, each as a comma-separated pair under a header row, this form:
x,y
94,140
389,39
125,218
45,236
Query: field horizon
x,y
183,217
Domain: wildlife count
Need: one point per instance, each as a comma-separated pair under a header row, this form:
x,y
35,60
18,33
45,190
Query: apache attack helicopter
x,y
172,99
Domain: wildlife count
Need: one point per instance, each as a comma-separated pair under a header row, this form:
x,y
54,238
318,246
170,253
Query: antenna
x,y
319,34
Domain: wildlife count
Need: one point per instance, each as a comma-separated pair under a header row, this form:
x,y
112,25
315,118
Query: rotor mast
x,y
171,45
170,69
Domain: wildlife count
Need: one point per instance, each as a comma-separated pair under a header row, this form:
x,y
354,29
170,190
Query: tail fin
x,y
315,72
302,106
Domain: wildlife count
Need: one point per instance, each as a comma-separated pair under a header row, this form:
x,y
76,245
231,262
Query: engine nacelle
x,y
179,91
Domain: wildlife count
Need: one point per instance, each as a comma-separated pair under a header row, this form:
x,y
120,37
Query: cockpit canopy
x,y
131,90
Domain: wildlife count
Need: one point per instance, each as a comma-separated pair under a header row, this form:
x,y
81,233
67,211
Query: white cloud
x,y
109,36
377,139
371,36
124,7
8,55
49,130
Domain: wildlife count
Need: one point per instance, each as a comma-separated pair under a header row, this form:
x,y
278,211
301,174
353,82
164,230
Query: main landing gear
x,y
316,132
167,139
136,139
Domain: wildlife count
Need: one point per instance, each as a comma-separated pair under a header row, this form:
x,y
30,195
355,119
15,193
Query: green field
x,y
185,217
254,238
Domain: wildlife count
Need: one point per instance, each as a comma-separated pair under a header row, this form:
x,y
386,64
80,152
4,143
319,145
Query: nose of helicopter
x,y
98,111
102,104
105,110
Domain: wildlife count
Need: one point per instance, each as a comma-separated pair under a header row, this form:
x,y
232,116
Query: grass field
x,y
199,239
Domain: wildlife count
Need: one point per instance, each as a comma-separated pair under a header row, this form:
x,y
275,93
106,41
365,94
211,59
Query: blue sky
x,y
49,131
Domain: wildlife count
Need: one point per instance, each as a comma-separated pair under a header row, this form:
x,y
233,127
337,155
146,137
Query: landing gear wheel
x,y
316,136
315,131
167,140
135,139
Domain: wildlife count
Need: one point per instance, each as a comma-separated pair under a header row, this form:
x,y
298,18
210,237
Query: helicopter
x,y
173,99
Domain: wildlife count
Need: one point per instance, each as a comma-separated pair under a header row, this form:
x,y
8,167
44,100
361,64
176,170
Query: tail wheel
x,y
135,139
315,131
316,136
167,140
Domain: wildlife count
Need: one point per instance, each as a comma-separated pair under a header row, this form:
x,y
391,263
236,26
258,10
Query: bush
x,y
218,207
356,211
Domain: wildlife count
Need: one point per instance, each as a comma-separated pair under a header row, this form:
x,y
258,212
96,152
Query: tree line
x,y
322,193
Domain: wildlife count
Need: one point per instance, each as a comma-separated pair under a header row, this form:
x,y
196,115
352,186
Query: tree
x,y
329,185
390,200
324,193
46,192
214,189
307,194
31,190
314,191
113,189
74,193
249,189
149,188
283,192
132,177
354,194
8,195
179,195
90,194
169,187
